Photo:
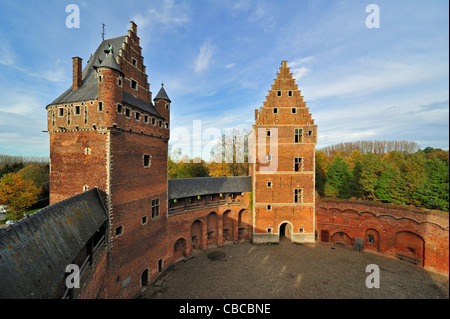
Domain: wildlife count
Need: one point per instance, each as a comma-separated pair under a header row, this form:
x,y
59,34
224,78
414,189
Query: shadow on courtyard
x,y
293,271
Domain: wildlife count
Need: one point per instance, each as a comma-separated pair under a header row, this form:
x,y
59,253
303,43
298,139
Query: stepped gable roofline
x,y
35,251
162,95
188,187
88,91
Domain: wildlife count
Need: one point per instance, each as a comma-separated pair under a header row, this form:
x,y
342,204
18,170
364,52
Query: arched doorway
x,y
244,224
285,231
196,235
179,249
342,238
212,226
228,225
410,246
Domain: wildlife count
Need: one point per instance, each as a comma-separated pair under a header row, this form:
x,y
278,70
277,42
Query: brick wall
x,y
396,231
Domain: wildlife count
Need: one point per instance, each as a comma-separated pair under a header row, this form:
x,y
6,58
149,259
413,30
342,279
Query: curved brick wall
x,y
416,235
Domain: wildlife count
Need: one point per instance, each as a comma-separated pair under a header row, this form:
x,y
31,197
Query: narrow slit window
x,y
155,208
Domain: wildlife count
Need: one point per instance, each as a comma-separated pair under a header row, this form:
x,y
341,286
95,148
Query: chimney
x,y
77,73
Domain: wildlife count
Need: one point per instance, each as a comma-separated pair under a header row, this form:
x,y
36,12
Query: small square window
x,y
133,84
301,230
147,160
119,108
138,116
309,133
275,110
146,119
134,62
61,111
77,110
269,184
268,132
269,207
294,110
119,230
269,230
278,93
127,112
290,93
153,121
144,220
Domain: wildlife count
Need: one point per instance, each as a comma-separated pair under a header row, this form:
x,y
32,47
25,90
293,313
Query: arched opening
x,y
410,246
212,227
244,224
144,278
342,238
196,235
179,249
228,225
285,231
372,240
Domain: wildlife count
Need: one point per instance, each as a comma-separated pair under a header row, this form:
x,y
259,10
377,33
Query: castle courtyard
x,y
293,271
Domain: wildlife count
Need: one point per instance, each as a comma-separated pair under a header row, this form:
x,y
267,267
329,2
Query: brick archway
x,y
228,226
244,224
196,235
212,228
410,246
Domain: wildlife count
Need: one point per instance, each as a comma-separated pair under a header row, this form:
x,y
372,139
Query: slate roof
x,y
88,90
35,251
162,95
188,187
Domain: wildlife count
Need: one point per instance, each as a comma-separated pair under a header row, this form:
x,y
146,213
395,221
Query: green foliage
x,y
420,179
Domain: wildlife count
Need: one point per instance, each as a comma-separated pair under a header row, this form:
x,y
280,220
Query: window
x,y
87,151
269,207
77,110
155,208
100,78
134,85
298,135
153,121
60,111
268,132
119,230
100,106
134,62
269,230
275,110
269,157
85,188
127,112
166,125
294,110
370,239
298,164
167,105
146,119
119,108
147,160
297,195
309,133
160,124
138,116
290,93
160,265
119,81
278,93
269,184
300,230
144,220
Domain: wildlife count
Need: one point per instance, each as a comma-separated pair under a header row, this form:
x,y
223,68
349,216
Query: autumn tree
x,y
17,193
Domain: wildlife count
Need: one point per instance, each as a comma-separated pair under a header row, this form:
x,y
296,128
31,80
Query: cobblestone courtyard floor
x,y
290,271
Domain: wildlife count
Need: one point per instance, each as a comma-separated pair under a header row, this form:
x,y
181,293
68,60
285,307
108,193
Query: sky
x,y
218,59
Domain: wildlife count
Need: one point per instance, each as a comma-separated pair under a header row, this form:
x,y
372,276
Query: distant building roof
x,y
188,187
35,251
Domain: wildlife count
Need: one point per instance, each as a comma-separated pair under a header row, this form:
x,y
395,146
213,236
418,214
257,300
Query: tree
x,y
321,172
17,193
338,178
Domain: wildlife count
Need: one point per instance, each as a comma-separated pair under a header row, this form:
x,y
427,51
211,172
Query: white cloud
x,y
204,57
19,104
169,14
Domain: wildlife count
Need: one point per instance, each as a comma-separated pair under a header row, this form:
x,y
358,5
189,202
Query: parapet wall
x,y
417,235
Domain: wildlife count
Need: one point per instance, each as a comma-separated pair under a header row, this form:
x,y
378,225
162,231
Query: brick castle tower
x,y
283,172
106,132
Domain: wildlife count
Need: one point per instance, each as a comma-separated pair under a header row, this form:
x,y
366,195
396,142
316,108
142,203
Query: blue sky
x,y
217,60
